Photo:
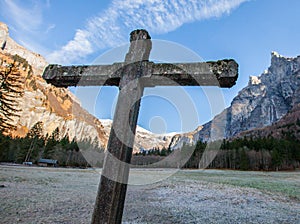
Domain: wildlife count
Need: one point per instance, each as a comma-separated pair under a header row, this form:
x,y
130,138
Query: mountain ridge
x,y
265,100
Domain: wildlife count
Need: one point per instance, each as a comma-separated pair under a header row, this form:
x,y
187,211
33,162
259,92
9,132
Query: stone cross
x,y
132,76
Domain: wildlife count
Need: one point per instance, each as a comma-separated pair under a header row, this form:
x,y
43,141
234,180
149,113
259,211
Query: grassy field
x,y
57,195
285,183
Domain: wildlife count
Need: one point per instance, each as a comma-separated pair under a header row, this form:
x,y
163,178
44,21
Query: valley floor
x,y
56,195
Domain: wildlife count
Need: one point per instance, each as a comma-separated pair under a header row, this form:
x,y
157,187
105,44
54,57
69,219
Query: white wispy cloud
x,y
28,18
112,26
25,19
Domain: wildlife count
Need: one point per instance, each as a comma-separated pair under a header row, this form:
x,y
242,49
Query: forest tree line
x,y
260,153
265,154
34,146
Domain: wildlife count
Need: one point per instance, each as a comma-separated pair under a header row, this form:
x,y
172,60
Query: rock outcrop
x,y
265,100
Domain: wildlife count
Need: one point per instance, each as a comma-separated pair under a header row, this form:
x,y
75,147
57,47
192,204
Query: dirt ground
x,y
57,195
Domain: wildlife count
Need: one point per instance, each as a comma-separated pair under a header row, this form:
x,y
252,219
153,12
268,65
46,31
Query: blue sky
x,y
78,32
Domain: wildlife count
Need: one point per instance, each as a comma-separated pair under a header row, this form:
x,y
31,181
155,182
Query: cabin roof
x,y
48,161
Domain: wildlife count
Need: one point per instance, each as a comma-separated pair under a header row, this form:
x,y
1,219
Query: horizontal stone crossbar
x,y
221,73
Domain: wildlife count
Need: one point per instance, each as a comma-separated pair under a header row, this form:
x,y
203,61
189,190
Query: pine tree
x,y
52,142
163,152
35,135
11,88
4,148
276,158
244,162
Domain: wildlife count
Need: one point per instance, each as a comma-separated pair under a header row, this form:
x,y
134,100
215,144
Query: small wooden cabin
x,y
47,162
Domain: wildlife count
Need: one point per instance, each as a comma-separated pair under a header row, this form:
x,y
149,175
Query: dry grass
x,y
55,195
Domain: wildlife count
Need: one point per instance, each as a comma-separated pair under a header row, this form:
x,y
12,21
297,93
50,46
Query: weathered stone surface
x,y
114,177
265,100
223,73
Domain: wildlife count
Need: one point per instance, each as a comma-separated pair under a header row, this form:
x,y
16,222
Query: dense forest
x,y
34,147
265,154
250,153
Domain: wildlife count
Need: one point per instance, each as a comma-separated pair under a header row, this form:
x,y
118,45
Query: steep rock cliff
x,y
287,126
265,100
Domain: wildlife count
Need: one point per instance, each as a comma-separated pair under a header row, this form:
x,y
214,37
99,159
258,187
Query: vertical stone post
x,y
113,184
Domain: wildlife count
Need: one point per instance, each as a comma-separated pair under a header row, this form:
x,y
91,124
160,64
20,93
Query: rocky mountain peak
x,y
281,67
268,97
265,100
254,80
